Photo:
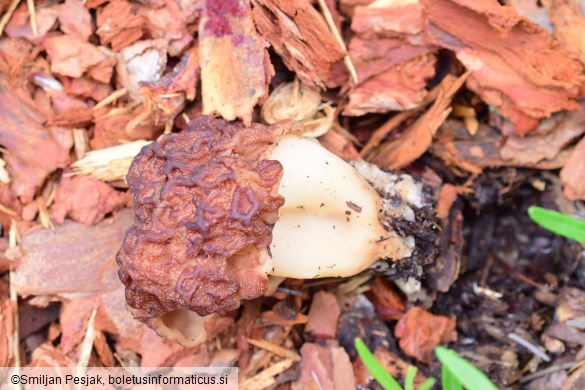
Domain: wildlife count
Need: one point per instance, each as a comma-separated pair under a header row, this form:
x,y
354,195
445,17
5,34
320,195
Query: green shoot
x,y
459,372
427,384
409,379
448,380
558,223
374,367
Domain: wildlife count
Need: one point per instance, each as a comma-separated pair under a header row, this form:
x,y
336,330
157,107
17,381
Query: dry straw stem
x,y
4,176
8,211
111,98
335,32
33,16
266,378
13,240
275,349
87,345
44,213
6,18
108,164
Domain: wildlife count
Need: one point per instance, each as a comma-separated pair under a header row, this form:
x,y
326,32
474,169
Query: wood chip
x,y
235,67
266,378
275,349
417,138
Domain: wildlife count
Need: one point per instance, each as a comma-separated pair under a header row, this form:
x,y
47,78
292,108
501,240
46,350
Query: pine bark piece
x,y
399,88
391,58
75,19
71,262
118,24
175,22
517,67
530,150
84,87
323,316
569,23
109,130
85,200
34,150
20,27
327,368
420,332
300,35
417,138
235,66
70,56
8,310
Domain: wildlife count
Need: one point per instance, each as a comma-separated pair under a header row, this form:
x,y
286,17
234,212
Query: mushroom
x,y
221,209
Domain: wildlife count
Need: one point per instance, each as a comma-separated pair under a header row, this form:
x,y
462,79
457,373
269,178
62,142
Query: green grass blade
x,y
464,372
558,223
449,381
409,379
428,384
374,367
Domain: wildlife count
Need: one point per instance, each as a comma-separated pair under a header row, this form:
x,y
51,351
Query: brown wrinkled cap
x,y
205,203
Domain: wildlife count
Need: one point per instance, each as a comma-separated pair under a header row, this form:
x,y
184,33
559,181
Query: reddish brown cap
x,y
205,203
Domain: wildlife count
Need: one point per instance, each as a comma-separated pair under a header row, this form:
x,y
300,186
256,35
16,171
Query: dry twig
x,y
266,378
335,32
6,18
33,16
275,349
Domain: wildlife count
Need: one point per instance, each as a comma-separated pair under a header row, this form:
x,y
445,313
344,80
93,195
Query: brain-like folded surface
x,y
205,202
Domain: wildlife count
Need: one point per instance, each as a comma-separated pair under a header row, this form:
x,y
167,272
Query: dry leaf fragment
x,y
293,101
420,332
235,66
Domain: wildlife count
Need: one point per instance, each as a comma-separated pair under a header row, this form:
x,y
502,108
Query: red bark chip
x,y
323,316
